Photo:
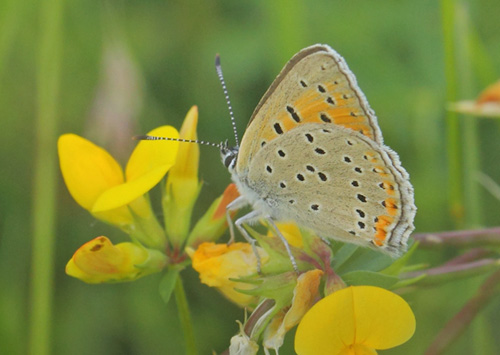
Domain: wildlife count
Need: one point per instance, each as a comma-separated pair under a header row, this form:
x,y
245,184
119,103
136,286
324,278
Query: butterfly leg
x,y
236,204
285,243
326,241
253,216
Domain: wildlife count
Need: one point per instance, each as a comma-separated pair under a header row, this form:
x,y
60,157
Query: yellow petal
x,y
120,217
183,187
100,261
357,349
368,316
124,194
88,170
149,155
189,153
305,294
147,165
387,320
292,234
218,264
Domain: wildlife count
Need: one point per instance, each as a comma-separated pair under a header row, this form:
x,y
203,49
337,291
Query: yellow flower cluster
x,y
98,183
354,320
331,317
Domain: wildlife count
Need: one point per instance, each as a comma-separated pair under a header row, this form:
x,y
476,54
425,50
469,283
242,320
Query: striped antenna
x,y
224,88
156,138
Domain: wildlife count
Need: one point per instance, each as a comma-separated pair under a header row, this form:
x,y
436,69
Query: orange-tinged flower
x,y
213,223
219,264
230,194
305,294
487,104
183,187
355,320
490,94
99,261
96,181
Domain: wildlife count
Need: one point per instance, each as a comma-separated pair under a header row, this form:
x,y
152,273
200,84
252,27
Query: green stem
x,y
472,190
185,317
452,124
45,177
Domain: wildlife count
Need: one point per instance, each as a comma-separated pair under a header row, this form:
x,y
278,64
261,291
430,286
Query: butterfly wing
x,y
316,86
340,184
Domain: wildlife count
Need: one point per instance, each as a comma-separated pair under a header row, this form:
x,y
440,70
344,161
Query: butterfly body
x,y
313,154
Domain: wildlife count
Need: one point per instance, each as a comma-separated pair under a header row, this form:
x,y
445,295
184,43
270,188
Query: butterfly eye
x,y
228,160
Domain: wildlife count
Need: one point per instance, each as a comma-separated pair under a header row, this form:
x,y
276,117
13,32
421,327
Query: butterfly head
x,y
229,155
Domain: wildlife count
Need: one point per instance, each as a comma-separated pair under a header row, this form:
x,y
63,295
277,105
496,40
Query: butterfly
x,y
313,154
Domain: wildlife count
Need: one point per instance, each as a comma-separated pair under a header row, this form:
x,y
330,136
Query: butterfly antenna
x,y
224,88
156,138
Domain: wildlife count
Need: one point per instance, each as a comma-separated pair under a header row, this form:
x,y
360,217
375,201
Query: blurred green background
x,y
108,70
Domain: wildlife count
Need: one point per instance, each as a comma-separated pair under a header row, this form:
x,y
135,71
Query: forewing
x,y
315,86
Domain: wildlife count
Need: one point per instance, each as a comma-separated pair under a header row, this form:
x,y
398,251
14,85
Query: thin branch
x,y
463,238
471,255
447,272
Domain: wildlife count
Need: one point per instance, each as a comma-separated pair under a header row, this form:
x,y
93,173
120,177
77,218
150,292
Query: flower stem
x,y
471,164
185,317
45,177
455,192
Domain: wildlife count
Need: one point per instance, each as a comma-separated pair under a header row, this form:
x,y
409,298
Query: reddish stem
x,y
463,238
471,255
453,268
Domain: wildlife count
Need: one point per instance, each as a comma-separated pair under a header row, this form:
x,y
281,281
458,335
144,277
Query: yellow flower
x,y
305,293
183,187
291,232
96,181
355,320
100,261
219,264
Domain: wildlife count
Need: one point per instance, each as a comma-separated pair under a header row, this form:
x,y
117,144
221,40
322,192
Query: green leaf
x,y
399,264
167,284
343,254
364,259
279,261
369,278
409,282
